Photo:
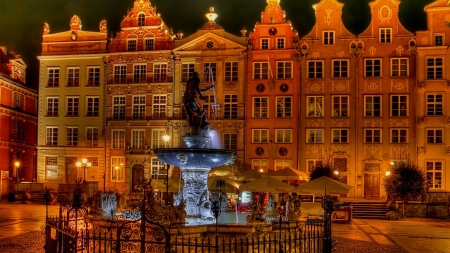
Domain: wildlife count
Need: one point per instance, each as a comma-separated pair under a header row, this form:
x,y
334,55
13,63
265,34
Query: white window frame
x,y
263,40
120,73
139,106
160,72
157,167
260,71
339,69
373,110
231,71
149,44
207,76
92,106
141,19
117,169
73,77
279,164
117,139
53,77
329,37
260,135
281,43
159,106
92,136
137,138
187,68
339,107
375,135
315,134
431,171
93,76
435,136
51,167
284,69
385,35
51,136
440,42
435,67
399,134
283,135
230,141
434,108
140,73
157,138
72,136
52,107
72,108
260,107
260,165
230,106
119,107
130,43
376,67
399,67
284,107
312,106
312,163
315,68
342,132
402,107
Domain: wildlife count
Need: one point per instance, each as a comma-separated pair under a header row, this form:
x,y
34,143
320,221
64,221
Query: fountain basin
x,y
195,157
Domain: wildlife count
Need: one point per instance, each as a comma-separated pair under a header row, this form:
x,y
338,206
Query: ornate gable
x,y
142,7
209,41
273,14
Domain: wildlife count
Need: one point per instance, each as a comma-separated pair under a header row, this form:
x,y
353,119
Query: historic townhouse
x,y
272,93
219,58
18,120
139,96
71,107
357,95
433,92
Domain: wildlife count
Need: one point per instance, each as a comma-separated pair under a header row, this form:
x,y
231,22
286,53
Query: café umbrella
x,y
267,184
289,174
249,175
230,185
174,185
317,186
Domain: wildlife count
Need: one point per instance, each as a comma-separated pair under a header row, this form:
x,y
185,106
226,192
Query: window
x,y
260,70
281,164
284,69
283,135
160,73
314,106
372,106
385,35
313,163
93,76
157,139
399,106
231,71
117,169
208,106
132,45
280,43
434,174
159,106
260,165
315,69
72,136
137,139
373,67
328,37
53,77
140,73
91,136
340,68
120,74
17,101
340,106
230,141
158,169
434,105
438,39
73,77
119,107
399,135
139,107
93,105
260,135
261,107
186,70
51,136
210,71
141,19
52,106
149,44
230,110
434,136
340,135
17,129
72,106
118,139
51,167
372,135
399,67
284,107
434,68
314,135
264,44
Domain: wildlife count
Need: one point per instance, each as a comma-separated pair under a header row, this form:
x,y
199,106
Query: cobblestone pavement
x,y
31,242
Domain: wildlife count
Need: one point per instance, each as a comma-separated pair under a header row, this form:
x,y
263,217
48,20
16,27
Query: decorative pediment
x,y
273,14
209,41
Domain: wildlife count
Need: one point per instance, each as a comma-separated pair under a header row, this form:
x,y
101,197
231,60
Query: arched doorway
x,y
137,172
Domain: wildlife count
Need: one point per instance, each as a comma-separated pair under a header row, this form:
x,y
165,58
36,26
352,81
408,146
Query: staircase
x,y
369,210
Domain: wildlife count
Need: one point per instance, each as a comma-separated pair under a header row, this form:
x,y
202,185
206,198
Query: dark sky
x,y
21,21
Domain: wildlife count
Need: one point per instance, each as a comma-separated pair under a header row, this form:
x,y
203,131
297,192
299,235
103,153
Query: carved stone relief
x,y
421,121
328,19
315,87
396,151
422,150
372,149
315,55
400,86
399,122
400,50
373,123
230,86
314,149
372,50
372,167
340,86
315,123
340,148
373,86
340,123
340,54
385,14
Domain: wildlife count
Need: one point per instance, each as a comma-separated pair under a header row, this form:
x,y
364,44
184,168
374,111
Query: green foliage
x,y
323,170
406,182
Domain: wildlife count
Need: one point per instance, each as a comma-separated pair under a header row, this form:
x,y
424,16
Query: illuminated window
x,y
230,110
260,165
399,67
372,106
141,19
283,136
280,43
93,106
149,44
72,136
439,39
73,77
186,70
340,106
314,106
340,68
282,164
284,69
51,167
434,136
339,136
314,135
311,164
434,174
284,107
52,106
160,72
399,105
137,139
208,106
159,106
118,139
399,135
260,135
210,71
264,44
53,77
435,67
372,135
328,37
260,107
91,136
372,67
230,141
93,76
385,35
72,106
51,136
315,69
158,168
117,169
140,73
120,74
260,70
231,71
157,138
138,107
119,107
132,45
435,104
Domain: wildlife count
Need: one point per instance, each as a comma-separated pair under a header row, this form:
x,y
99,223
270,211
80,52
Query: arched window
x,y
141,19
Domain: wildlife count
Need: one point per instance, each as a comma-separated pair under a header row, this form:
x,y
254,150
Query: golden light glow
x,y
336,172
78,164
166,137
84,160
261,170
388,173
17,164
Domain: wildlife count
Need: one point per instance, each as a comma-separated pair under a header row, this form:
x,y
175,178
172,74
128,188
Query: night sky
x,y
21,21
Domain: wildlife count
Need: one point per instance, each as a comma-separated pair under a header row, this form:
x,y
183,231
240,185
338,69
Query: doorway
x,y
137,172
71,170
371,186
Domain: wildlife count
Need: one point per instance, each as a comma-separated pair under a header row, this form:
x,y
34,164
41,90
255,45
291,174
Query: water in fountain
x,y
214,140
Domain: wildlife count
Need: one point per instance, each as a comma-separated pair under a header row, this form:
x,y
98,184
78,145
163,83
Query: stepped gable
x,y
142,22
385,14
12,66
273,14
329,16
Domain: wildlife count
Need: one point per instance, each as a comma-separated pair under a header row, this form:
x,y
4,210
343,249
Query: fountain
x,y
196,160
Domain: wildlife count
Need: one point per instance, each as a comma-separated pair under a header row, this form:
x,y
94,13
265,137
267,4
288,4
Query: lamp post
x,y
84,164
282,212
16,166
166,138
216,207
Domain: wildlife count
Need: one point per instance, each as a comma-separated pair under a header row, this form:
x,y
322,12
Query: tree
x,y
324,168
407,181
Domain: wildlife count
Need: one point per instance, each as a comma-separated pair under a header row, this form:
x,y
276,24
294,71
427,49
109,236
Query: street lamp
x,y
166,138
388,173
84,164
16,166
